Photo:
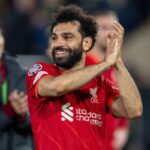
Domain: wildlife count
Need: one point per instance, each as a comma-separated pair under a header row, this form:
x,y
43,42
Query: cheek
x,y
74,45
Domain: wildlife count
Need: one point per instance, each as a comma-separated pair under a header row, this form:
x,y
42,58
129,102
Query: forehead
x,y
67,27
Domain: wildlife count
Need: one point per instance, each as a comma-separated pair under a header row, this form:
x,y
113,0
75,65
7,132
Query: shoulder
x,y
39,66
36,72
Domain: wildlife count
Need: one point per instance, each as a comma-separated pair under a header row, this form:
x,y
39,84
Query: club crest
x,y
93,92
34,69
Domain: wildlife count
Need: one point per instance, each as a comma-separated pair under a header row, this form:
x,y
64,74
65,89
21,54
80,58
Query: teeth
x,y
60,52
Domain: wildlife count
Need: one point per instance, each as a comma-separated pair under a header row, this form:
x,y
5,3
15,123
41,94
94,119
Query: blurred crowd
x,y
25,27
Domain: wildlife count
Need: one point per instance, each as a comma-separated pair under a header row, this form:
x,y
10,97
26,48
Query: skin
x,y
18,100
128,104
120,134
105,23
73,44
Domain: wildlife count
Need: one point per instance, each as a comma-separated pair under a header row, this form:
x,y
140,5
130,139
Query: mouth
x,y
60,53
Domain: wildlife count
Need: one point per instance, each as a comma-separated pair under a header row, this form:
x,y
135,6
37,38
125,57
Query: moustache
x,y
60,49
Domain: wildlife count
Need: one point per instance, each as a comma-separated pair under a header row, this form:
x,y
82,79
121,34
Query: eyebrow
x,y
64,33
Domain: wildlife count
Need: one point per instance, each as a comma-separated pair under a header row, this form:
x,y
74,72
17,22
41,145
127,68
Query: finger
x,y
20,108
12,95
109,42
24,107
118,38
118,35
16,92
117,24
16,107
23,102
117,28
22,93
116,43
23,98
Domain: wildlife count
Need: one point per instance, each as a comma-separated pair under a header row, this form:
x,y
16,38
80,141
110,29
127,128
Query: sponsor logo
x,y
93,92
34,69
38,76
67,113
80,115
91,117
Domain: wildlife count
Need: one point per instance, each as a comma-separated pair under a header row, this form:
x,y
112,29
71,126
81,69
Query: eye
x,y
53,37
68,36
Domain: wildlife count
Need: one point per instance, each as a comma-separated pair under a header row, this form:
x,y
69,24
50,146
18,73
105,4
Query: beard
x,y
71,57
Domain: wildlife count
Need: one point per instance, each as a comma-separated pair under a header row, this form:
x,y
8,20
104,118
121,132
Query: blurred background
x,y
25,25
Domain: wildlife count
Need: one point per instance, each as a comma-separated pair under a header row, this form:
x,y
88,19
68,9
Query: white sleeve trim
x,y
38,76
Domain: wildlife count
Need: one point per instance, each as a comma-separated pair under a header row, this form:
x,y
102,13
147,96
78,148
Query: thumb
x,y
109,38
13,95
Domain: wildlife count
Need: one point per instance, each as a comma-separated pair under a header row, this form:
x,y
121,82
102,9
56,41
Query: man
x,y
68,101
117,129
15,131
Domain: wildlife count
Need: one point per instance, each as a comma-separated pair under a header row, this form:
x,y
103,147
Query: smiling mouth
x,y
60,53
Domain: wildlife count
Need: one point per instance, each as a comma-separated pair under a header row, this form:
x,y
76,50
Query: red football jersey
x,y
74,121
112,124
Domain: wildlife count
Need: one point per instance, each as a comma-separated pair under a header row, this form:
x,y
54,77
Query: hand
x,y
18,101
114,44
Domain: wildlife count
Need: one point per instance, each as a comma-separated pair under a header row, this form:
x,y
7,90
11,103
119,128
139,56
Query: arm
x,y
129,104
72,80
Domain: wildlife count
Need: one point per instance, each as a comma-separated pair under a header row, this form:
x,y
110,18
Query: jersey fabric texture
x,y
74,121
112,124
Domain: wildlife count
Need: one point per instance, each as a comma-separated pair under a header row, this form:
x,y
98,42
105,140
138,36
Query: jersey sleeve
x,y
35,73
123,123
112,92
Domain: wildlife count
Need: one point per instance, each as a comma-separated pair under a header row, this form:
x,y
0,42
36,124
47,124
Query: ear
x,y
87,43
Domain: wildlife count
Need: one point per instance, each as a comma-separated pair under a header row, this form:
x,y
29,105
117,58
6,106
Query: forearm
x,y
129,94
71,80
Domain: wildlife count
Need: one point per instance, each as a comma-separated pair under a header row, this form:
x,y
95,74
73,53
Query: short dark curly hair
x,y
88,26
